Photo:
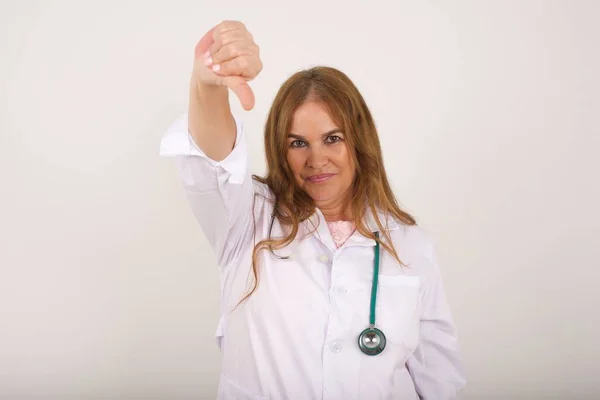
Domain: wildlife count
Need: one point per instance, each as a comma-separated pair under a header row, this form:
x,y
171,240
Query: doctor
x,y
328,289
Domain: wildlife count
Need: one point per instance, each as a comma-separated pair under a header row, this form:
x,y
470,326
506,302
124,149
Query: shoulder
x,y
415,248
262,191
413,237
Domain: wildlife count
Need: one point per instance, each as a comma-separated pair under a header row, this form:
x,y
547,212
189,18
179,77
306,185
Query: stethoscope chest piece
x,y
371,341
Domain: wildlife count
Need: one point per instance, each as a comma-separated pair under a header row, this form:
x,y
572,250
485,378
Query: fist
x,y
227,56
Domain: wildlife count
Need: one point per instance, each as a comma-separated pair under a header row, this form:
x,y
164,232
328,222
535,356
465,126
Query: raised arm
x,y
226,57
209,143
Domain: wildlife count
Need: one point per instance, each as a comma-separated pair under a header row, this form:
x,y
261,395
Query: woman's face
x,y
319,157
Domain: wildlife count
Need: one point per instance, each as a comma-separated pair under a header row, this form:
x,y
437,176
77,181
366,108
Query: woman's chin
x,y
320,196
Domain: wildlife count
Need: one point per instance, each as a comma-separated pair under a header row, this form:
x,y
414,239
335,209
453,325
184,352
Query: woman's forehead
x,y
312,118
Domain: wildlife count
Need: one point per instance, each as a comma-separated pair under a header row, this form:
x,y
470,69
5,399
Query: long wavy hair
x,y
371,189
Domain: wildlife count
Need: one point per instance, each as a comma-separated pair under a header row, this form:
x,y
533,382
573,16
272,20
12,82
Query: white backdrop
x,y
488,113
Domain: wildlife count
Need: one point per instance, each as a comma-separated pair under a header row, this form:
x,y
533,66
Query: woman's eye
x,y
296,143
333,139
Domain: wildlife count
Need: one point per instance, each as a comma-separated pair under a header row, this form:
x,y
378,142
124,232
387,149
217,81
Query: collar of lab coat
x,y
317,220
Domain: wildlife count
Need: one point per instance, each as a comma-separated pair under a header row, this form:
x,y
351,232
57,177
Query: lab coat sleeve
x,y
435,365
220,193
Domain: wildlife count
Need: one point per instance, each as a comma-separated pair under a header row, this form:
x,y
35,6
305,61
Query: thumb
x,y
242,90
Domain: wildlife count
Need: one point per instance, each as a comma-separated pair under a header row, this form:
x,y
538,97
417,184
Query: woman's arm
x,y
220,193
210,122
209,142
435,366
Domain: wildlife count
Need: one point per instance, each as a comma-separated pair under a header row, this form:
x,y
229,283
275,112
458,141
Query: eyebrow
x,y
331,132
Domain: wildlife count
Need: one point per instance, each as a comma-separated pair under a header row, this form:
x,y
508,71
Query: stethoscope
x,y
372,341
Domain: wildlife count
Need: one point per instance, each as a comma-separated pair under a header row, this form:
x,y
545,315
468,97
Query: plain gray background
x,y
488,113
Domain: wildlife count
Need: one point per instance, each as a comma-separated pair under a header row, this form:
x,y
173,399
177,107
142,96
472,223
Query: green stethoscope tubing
x,y
372,341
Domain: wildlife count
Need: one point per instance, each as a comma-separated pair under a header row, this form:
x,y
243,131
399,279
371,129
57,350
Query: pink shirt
x,y
341,231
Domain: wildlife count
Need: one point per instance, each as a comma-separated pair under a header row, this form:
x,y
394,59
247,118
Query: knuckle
x,y
225,38
232,51
229,24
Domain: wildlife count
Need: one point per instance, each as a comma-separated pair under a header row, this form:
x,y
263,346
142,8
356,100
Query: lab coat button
x,y
323,258
336,346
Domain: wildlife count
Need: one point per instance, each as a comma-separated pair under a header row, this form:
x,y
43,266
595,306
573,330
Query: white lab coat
x,y
296,336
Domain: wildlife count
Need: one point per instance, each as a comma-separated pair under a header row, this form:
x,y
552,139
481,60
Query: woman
x,y
328,289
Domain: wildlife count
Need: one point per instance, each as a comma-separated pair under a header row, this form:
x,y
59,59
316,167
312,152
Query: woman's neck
x,y
336,212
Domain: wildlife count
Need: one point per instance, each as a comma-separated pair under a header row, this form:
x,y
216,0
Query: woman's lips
x,y
319,178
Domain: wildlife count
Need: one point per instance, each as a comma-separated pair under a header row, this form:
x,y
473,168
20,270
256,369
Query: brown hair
x,y
347,108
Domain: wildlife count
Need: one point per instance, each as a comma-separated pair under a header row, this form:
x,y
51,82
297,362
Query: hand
x,y
227,56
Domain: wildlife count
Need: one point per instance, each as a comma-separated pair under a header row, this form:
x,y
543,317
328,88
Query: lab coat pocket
x,y
398,309
229,390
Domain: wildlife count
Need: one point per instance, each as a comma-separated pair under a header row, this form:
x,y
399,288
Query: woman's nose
x,y
317,159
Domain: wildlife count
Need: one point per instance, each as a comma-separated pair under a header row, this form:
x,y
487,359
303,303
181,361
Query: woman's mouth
x,y
319,178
